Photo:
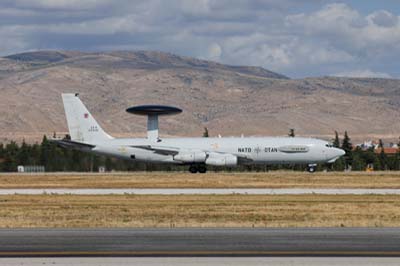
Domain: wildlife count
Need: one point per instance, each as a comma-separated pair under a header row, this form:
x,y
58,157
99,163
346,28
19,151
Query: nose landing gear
x,y
311,168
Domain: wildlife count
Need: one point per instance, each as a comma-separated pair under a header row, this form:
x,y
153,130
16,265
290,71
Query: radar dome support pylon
x,y
152,127
152,112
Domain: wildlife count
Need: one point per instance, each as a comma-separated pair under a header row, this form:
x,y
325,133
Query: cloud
x,y
15,12
346,29
113,25
384,18
362,73
62,4
366,39
214,52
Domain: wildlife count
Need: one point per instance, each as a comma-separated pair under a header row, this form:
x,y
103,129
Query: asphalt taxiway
x,y
201,261
210,242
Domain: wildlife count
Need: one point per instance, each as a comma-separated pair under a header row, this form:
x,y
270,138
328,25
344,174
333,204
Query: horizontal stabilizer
x,y
66,143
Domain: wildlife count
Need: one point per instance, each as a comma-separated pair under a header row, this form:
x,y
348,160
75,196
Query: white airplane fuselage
x,y
258,150
87,135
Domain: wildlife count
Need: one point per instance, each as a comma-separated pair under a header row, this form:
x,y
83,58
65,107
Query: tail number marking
x,y
93,129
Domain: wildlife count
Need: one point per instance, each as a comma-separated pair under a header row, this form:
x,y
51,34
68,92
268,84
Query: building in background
x,y
31,168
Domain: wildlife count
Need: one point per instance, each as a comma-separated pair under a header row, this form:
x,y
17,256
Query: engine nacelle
x,y
194,157
221,159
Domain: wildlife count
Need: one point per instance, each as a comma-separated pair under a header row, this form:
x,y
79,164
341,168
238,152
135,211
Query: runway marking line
x,y
199,253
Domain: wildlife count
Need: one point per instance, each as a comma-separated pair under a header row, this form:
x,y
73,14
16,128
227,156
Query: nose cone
x,y
334,154
340,152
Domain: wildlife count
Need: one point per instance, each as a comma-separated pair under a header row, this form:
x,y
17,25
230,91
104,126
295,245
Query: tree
x,y
339,164
35,154
2,157
51,156
358,163
393,162
44,152
291,133
346,144
108,164
10,158
348,148
24,154
1,150
205,133
380,144
336,141
369,156
382,155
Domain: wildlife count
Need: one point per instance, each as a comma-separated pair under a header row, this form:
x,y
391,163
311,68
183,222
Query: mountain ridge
x,y
150,59
229,100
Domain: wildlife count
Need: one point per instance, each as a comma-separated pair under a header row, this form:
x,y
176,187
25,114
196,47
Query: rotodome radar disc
x,y
154,110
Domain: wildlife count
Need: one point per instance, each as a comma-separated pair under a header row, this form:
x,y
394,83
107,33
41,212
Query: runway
x,y
187,242
203,261
201,191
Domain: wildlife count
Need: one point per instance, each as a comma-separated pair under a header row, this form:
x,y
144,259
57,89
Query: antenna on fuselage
x,y
152,112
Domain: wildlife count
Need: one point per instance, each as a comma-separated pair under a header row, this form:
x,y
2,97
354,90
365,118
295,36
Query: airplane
x,y
85,134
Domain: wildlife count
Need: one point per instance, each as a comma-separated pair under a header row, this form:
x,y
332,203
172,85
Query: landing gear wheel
x,y
193,169
202,169
311,168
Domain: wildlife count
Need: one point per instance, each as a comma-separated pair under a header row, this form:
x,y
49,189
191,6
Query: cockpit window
x,y
329,145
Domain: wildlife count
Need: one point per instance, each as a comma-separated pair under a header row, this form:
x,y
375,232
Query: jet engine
x,y
194,157
218,159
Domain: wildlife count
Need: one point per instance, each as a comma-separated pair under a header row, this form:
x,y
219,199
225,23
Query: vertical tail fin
x,y
81,124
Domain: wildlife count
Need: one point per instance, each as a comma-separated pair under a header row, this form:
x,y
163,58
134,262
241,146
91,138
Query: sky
x,y
298,38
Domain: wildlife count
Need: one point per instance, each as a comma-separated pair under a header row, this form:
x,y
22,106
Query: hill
x,y
229,100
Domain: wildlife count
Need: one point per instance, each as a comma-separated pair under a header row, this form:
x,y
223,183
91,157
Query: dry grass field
x,y
199,211
274,179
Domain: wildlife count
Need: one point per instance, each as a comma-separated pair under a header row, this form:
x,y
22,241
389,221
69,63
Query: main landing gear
x,y
311,168
201,168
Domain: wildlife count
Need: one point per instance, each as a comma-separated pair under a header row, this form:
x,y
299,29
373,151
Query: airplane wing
x,y
158,149
174,151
